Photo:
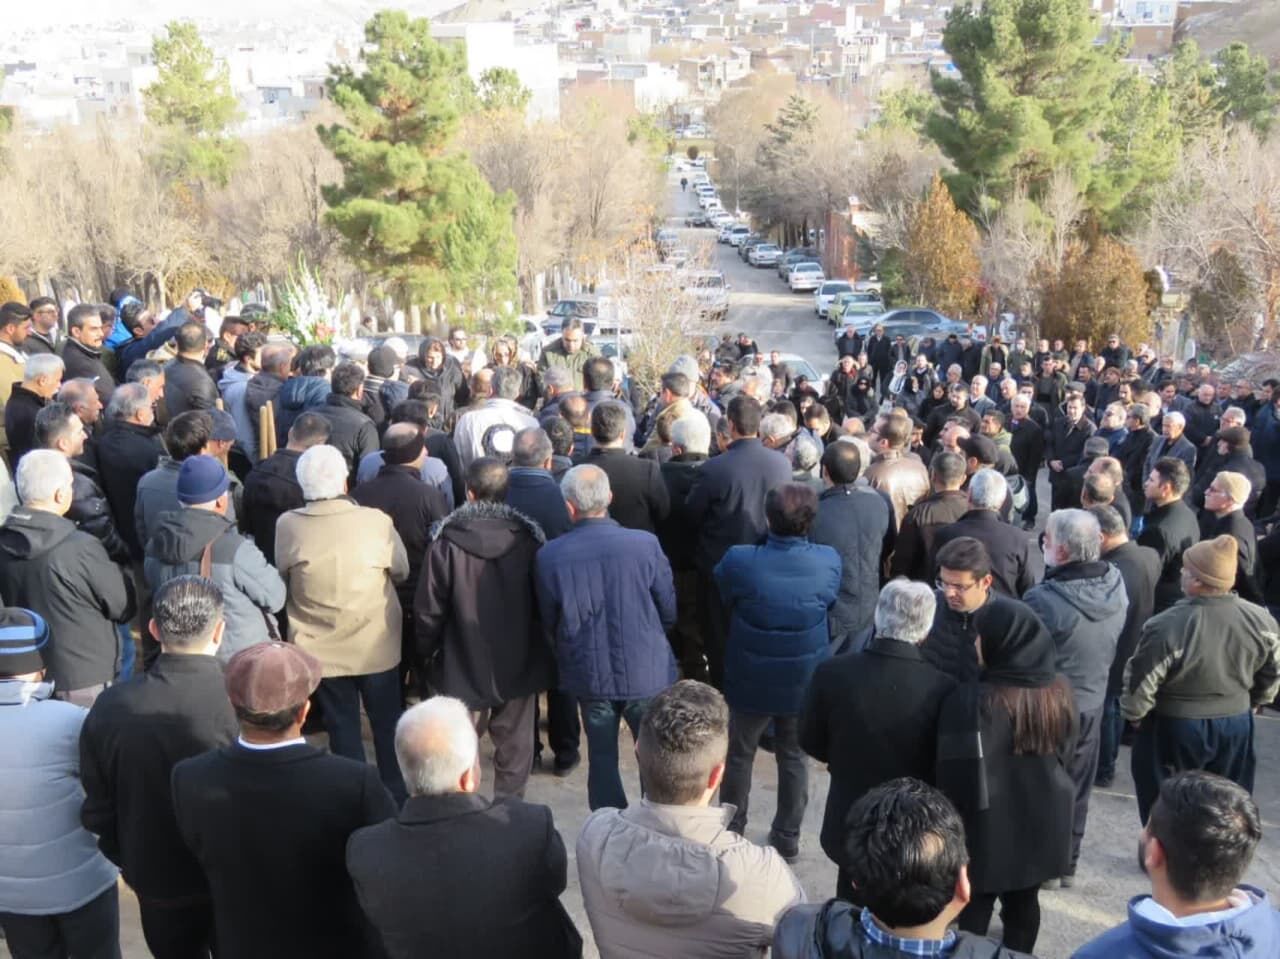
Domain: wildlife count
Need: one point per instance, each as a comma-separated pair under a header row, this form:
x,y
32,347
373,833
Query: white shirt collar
x,y
262,747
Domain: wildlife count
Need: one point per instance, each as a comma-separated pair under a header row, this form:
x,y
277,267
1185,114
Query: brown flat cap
x,y
271,677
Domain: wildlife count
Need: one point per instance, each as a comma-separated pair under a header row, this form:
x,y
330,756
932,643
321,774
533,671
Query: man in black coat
x,y
1132,454
531,490
690,443
639,494
271,489
872,716
82,350
41,377
455,874
1140,569
134,735
1232,453
1223,514
1026,443
726,505
963,587
272,809
265,384
1064,448
1016,561
352,433
187,384
414,507
1170,525
880,357
128,448
477,620
1203,414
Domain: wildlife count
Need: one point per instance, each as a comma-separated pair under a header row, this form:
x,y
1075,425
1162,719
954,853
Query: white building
x,y
494,45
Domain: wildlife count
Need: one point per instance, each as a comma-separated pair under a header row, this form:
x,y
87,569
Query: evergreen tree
x,y
1191,86
500,89
1140,140
1246,93
191,106
941,257
411,211
1033,93
796,121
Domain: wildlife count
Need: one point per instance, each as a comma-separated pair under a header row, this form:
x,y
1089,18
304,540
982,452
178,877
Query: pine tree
x,y
191,106
1246,93
1191,85
500,89
795,121
410,211
941,257
1029,98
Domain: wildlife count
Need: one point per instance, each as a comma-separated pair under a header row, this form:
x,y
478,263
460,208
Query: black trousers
x,y
90,932
745,730
178,930
1019,913
564,729
1082,768
686,637
713,620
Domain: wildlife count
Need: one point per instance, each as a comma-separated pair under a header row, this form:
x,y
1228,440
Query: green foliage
x,y
410,211
1191,85
643,129
500,89
797,120
893,277
905,108
191,105
1142,139
1030,97
1246,91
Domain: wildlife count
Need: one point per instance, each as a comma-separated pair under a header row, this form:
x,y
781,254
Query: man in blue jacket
x,y
777,595
726,504
1197,844
607,599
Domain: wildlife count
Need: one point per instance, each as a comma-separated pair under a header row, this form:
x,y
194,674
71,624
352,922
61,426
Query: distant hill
x,y
1255,22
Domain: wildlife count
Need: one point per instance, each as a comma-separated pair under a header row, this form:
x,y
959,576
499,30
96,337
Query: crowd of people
x,y
216,545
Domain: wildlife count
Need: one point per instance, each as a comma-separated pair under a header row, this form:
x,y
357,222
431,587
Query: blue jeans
x,y
1166,745
600,720
340,697
1109,738
128,653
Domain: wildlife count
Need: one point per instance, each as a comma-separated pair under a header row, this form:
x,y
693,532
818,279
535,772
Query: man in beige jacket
x,y
668,877
340,562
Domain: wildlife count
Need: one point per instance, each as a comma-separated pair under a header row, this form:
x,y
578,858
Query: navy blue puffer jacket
x,y
778,596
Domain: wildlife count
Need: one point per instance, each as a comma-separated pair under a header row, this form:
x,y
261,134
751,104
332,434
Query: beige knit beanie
x,y
1213,562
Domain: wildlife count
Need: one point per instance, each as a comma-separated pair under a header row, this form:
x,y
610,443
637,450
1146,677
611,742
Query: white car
x,y
708,293
678,256
723,235
805,276
721,220
764,254
824,294
737,234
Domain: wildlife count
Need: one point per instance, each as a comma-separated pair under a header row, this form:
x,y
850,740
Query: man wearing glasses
x,y
45,337
964,587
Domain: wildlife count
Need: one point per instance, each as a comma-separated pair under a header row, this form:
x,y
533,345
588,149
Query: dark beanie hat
x,y
1016,648
201,479
382,361
23,637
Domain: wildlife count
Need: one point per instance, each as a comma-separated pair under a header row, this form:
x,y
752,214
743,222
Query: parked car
x,y
793,256
678,256
737,234
722,220
764,254
854,306
805,275
930,320
666,239
708,294
749,244
723,235
829,290
697,220
585,307
798,366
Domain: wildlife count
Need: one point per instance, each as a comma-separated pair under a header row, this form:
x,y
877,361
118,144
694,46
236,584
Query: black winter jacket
x,y
126,453
914,550
20,422
477,618
132,738
1016,561
354,434
1169,530
639,494
414,507
62,573
259,391
677,534
188,386
91,512
949,647
270,490
857,522
81,362
1139,567
536,494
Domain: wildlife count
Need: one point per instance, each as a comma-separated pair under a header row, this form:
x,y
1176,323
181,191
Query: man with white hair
x,y
606,598
500,867
1172,442
1223,514
65,575
979,402
872,716
341,562
41,378
1082,602
1016,564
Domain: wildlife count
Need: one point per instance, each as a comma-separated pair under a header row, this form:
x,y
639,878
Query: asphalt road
x,y
1108,874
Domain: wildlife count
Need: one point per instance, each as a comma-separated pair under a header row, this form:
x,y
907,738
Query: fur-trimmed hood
x,y
486,529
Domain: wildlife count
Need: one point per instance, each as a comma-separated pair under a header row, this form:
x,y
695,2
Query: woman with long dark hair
x,y
1003,745
936,397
